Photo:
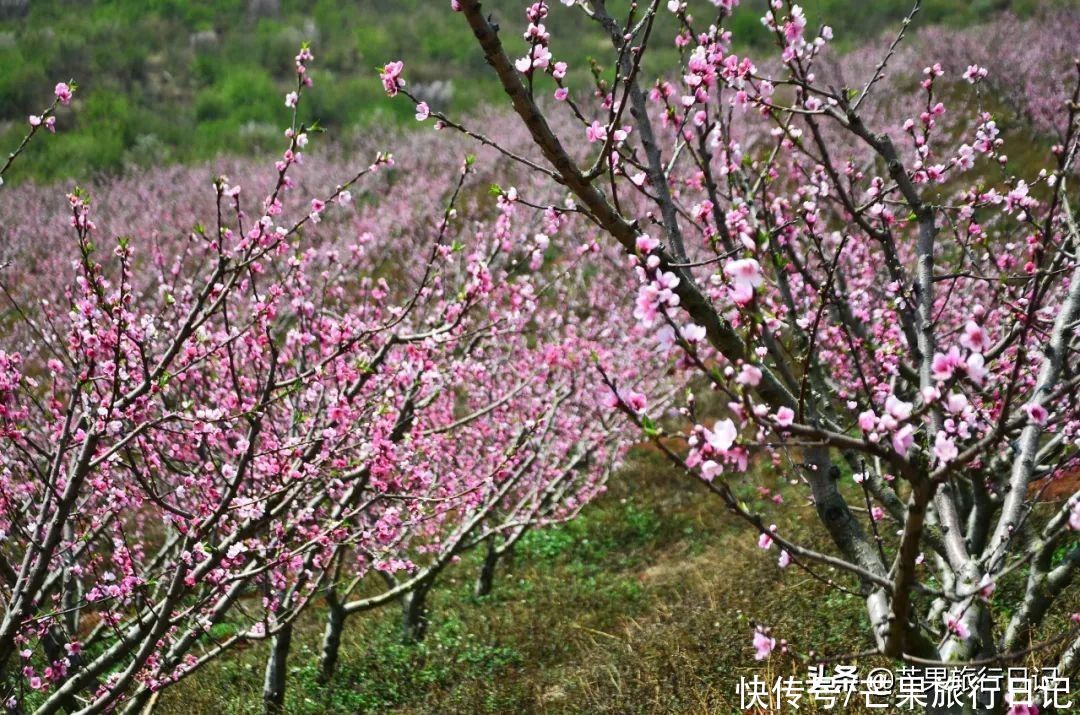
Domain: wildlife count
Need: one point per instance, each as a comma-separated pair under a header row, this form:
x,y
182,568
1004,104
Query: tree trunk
x,y
414,614
331,643
486,578
71,596
276,663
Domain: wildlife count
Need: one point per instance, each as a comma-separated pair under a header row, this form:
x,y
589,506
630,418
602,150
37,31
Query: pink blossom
x,y
693,333
763,644
745,275
722,435
636,401
750,375
902,439
595,132
646,244
955,402
785,559
561,94
976,368
1020,708
944,448
1019,196
897,408
965,157
422,111
944,364
63,92
710,469
785,416
975,338
1036,413
794,27
974,73
956,626
391,77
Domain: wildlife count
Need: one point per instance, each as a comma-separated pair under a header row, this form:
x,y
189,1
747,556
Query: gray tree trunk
x,y
486,579
276,664
331,643
414,614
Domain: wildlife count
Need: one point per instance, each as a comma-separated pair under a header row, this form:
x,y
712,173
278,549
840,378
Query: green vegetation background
x,y
166,81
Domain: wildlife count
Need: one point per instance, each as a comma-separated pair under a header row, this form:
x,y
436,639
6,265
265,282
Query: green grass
x,y
646,603
164,81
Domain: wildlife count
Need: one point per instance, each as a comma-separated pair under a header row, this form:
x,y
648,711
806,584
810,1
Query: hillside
x,y
407,401
165,81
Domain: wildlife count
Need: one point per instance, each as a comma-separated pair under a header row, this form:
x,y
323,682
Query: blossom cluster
x,y
256,384
842,250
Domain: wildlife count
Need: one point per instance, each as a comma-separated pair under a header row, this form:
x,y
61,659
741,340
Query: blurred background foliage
x,y
163,81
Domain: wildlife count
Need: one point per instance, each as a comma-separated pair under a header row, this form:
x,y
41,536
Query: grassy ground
x,y
645,604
